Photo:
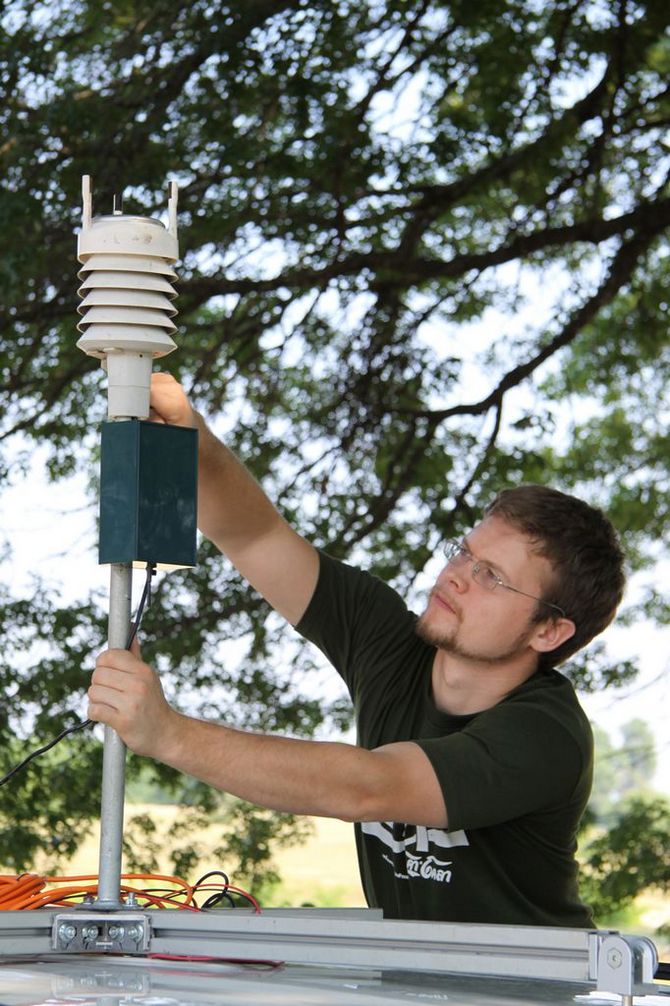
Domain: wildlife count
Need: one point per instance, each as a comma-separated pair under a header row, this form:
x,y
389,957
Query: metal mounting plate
x,y
95,933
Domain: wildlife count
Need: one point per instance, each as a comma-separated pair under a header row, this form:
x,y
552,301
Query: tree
x,y
631,857
624,839
424,255
621,772
640,765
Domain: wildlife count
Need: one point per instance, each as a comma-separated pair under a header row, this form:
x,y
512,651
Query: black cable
x,y
144,599
42,750
146,596
215,899
212,873
226,894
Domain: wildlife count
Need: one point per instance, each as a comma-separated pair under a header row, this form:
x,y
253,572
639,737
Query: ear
x,y
551,634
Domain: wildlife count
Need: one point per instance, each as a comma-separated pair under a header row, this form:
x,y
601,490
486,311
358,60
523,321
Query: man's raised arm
x,y
237,516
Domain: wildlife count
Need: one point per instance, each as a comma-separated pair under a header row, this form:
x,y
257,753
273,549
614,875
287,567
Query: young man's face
x,y
463,617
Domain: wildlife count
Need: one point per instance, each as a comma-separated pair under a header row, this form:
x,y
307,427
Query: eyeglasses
x,y
459,555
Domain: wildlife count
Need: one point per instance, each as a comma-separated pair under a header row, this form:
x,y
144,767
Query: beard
x,y
448,641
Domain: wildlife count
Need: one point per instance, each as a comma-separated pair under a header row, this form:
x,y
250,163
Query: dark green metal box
x,y
148,493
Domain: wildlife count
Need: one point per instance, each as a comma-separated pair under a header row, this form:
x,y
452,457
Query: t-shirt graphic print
x,y
416,853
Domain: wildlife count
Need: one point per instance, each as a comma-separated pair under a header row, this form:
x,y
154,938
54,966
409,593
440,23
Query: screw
x,y
67,932
614,958
116,932
134,933
90,932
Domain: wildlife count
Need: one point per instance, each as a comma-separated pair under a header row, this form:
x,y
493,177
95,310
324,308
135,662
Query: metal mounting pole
x,y
114,753
126,323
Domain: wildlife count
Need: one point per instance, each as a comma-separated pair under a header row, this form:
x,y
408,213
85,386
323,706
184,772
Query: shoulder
x,y
344,589
549,688
547,705
530,751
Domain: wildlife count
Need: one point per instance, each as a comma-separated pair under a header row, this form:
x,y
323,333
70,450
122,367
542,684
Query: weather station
x,y
107,949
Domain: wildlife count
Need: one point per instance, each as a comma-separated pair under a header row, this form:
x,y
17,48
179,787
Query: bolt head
x,y
614,958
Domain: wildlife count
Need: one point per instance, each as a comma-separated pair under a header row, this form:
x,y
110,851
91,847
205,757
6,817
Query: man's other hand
x,y
169,403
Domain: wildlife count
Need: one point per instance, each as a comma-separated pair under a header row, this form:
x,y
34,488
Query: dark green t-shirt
x,y
516,778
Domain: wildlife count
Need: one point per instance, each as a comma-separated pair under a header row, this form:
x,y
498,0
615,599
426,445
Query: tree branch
x,y
621,270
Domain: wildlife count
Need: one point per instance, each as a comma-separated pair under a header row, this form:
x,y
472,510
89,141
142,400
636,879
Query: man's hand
x,y
169,403
126,694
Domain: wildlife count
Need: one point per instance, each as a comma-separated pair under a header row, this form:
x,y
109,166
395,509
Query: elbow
x,y
391,791
362,801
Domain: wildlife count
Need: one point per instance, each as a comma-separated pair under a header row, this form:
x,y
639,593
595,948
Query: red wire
x,y
273,965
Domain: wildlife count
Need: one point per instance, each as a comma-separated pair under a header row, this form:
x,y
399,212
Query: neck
x,y
462,686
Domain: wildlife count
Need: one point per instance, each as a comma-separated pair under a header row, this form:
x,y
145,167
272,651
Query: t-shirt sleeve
x,y
356,620
514,760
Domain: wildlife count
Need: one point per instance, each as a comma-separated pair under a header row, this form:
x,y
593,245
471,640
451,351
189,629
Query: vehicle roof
x,y
71,980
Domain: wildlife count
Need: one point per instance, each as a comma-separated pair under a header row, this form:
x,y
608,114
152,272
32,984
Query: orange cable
x,y
31,891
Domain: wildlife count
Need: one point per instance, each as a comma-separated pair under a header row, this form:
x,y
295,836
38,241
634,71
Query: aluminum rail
x,y
607,960
603,960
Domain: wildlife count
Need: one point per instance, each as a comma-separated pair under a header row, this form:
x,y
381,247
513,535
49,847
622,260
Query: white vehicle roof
x,y
308,958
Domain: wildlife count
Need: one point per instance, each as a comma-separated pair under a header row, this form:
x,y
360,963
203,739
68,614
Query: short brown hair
x,y
584,551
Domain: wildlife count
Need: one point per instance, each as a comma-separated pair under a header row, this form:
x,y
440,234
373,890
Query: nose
x,y
458,577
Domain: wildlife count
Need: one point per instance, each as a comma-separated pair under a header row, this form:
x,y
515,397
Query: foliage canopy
x,y
424,255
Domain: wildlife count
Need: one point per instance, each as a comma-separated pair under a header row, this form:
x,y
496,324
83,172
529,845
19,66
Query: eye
x,y
488,578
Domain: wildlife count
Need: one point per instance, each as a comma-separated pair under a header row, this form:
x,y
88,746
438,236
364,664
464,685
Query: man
x,y
474,760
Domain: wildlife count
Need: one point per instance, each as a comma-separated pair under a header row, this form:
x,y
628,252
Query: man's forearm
x,y
302,777
393,782
232,507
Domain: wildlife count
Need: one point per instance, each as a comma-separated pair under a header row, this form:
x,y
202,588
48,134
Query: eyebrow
x,y
486,562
